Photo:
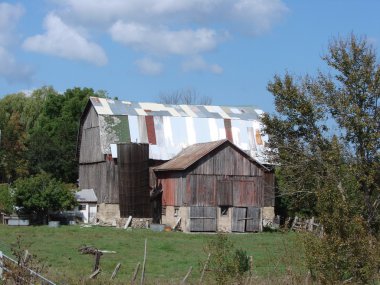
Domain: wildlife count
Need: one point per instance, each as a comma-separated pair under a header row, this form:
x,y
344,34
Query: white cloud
x,y
197,63
9,17
254,16
257,16
148,66
64,41
163,41
176,28
12,70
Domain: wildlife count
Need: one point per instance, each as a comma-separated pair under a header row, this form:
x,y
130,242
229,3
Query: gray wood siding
x,y
269,188
90,150
103,178
238,219
203,219
253,219
227,161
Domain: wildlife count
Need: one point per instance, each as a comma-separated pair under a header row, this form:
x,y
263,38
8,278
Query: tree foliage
x,y
39,133
325,140
40,194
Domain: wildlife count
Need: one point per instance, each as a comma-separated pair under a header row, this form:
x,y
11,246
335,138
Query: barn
x,y
120,144
215,186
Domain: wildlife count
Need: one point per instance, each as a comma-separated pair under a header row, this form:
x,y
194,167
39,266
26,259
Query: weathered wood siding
x,y
133,167
103,178
203,219
90,150
269,187
174,189
227,161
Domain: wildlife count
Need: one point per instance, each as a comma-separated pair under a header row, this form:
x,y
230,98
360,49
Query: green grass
x,y
169,254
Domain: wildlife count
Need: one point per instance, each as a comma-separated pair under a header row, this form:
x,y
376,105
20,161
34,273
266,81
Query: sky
x,y
135,50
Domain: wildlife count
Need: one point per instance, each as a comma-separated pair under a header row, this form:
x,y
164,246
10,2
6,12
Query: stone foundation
x,y
108,214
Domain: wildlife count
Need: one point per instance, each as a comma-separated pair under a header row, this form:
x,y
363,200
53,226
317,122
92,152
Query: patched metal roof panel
x,y
175,127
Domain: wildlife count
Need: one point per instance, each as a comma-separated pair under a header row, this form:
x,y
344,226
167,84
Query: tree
x,y
56,129
40,194
6,201
325,140
184,96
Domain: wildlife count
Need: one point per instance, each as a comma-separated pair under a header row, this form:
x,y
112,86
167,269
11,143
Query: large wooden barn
x,y
215,186
119,141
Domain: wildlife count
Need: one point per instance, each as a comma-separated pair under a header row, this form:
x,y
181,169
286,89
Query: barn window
x,y
224,210
176,211
163,211
81,207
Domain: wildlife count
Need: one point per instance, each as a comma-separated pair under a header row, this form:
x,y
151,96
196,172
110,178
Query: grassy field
x,y
169,254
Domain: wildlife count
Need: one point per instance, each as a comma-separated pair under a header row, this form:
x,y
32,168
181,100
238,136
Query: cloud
x,y
66,42
257,16
163,41
148,66
254,16
12,70
185,28
197,63
9,17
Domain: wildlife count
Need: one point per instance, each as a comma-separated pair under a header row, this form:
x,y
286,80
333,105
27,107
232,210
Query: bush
x,y
226,264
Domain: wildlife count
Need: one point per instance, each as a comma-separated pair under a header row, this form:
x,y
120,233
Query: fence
x,y
5,269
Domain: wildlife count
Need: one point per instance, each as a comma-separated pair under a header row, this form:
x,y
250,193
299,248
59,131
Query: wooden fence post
x,y
1,265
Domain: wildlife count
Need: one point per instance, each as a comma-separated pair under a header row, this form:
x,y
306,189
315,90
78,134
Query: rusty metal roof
x,y
194,153
171,128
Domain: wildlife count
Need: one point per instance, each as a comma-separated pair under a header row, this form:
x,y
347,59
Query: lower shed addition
x,y
215,187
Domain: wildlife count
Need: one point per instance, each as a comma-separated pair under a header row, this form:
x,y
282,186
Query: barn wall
x,y
103,178
240,191
133,167
90,150
269,187
227,161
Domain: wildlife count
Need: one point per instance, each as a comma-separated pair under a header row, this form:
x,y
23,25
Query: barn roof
x,y
115,107
86,195
170,128
192,154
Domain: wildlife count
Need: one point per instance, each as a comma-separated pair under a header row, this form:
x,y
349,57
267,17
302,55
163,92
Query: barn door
x,y
202,219
253,219
238,219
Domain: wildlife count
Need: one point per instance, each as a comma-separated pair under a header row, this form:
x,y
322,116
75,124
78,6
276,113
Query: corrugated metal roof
x,y
86,195
114,107
194,153
171,128
189,156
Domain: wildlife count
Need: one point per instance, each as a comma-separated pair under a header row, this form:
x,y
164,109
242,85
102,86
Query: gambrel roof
x,y
171,128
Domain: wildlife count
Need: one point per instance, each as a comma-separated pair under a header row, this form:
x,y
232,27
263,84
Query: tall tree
x,y
56,130
333,173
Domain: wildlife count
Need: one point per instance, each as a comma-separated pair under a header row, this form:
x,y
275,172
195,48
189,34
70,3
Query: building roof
x,y
171,128
192,154
86,195
115,107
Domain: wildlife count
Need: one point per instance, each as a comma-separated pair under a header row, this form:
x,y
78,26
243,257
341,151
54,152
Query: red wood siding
x,y
228,127
150,129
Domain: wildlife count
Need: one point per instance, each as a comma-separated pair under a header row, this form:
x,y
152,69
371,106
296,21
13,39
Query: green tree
x,y
6,201
40,194
333,172
13,137
52,141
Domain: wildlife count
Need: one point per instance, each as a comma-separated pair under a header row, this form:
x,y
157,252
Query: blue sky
x,y
137,49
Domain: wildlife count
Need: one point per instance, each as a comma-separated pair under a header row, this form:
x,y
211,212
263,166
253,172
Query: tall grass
x,y
169,254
